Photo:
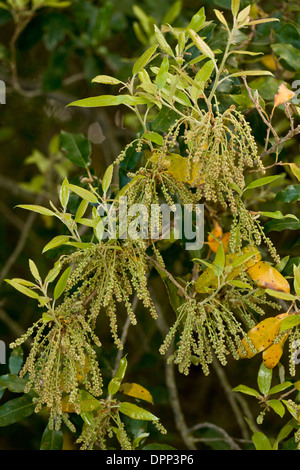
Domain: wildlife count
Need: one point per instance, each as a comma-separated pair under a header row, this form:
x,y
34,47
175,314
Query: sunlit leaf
x,y
280,295
247,390
297,279
235,7
198,21
38,209
81,210
135,412
289,322
144,59
34,270
219,260
64,193
55,242
262,181
201,45
62,283
162,75
109,100
107,178
116,381
84,193
162,41
261,441
221,17
154,137
280,387
295,170
106,79
21,288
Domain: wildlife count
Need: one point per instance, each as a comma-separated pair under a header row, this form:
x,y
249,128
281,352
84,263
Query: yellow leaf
x,y
225,240
283,95
271,356
270,62
268,277
67,407
217,232
261,336
136,391
181,168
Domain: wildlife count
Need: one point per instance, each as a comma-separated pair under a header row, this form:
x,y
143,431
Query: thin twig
x,y
225,435
21,242
125,334
258,108
284,139
232,399
171,382
169,275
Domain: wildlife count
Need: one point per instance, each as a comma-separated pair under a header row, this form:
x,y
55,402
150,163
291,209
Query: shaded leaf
x,y
15,410
264,379
15,360
13,382
77,148
281,224
52,439
290,194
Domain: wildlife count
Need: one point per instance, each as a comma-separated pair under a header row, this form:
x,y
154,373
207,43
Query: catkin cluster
x,y
213,327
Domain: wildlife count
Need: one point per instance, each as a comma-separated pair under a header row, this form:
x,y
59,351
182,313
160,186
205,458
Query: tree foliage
x,y
196,110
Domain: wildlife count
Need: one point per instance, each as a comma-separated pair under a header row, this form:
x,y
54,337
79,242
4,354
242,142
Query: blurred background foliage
x,y
48,59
